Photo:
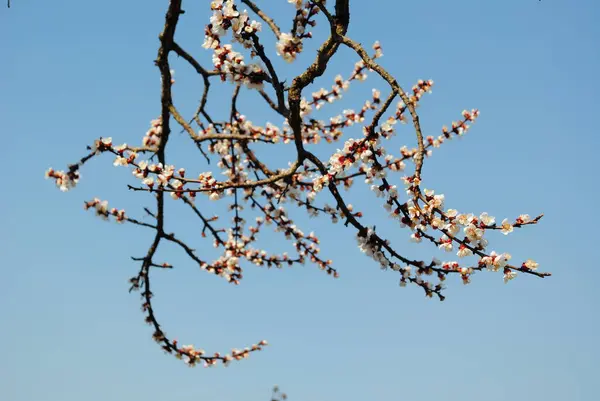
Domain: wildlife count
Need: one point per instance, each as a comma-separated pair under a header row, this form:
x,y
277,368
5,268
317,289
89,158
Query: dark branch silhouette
x,y
254,189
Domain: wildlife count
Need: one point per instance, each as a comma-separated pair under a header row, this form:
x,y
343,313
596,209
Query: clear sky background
x,y
73,71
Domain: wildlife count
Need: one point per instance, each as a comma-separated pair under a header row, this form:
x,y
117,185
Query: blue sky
x,y
75,71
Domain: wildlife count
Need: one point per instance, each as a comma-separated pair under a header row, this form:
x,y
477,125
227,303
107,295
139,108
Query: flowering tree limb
x,y
234,142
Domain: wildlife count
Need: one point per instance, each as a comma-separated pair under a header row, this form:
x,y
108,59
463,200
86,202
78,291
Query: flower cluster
x,y
64,181
193,356
289,45
323,96
154,134
102,145
226,17
228,62
101,208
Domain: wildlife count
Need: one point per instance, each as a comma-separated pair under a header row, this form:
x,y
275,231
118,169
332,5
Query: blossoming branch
x,y
255,191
